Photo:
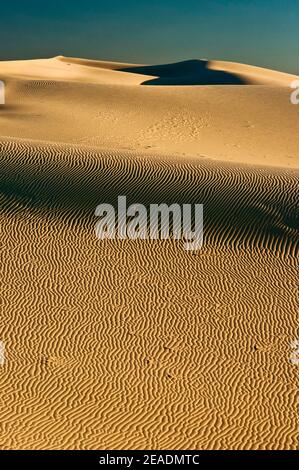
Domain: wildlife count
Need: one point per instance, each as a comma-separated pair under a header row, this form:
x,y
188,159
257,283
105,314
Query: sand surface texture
x,y
141,344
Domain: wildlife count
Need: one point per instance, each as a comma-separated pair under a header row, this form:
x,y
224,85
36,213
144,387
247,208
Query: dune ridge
x,y
139,344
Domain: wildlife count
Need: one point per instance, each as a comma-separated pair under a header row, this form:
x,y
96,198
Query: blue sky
x,y
259,32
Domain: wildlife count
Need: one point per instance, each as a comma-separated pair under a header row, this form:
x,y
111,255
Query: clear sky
x,y
259,32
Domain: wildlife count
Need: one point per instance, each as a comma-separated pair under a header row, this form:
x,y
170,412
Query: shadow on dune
x,y
69,182
189,72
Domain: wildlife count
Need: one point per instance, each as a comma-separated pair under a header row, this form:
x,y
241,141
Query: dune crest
x,y
188,72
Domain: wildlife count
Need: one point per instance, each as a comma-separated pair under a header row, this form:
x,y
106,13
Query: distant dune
x,y
68,100
140,344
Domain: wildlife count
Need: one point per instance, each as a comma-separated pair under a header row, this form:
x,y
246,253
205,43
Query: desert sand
x,y
122,344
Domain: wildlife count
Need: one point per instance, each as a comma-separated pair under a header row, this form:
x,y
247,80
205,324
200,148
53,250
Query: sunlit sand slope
x,y
72,102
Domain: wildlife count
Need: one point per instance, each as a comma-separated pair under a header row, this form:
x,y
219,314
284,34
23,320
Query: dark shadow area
x,y
189,72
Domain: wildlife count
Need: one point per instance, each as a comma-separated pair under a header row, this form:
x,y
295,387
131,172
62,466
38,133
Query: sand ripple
x,y
133,344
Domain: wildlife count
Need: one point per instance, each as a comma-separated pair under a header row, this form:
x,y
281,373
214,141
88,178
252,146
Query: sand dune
x,y
51,100
140,344
188,72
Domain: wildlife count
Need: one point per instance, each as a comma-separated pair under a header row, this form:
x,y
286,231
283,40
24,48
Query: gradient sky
x,y
258,32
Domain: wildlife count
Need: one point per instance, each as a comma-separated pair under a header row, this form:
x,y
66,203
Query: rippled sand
x,y
141,344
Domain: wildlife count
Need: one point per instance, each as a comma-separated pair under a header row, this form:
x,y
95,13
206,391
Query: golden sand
x,y
122,344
